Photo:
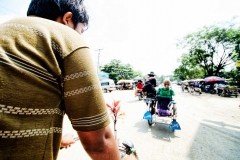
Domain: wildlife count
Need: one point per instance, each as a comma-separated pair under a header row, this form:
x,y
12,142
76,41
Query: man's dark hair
x,y
52,9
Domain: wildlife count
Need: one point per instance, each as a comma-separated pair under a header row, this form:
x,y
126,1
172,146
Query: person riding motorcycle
x,y
139,87
149,89
152,79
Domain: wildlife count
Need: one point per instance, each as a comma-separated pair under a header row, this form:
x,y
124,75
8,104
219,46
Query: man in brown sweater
x,y
46,71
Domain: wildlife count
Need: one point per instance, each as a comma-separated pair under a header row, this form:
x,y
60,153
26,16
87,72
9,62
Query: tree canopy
x,y
117,70
210,50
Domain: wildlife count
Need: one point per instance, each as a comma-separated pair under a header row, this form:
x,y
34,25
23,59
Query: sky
x,y
141,33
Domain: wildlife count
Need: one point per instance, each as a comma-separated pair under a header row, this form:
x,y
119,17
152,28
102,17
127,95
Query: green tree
x,y
188,69
213,47
234,76
118,71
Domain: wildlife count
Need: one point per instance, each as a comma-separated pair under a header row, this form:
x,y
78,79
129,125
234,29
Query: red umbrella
x,y
214,79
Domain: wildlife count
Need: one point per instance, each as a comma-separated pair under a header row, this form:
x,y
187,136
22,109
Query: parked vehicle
x,y
179,83
194,90
238,90
126,84
118,86
186,87
227,92
209,88
108,85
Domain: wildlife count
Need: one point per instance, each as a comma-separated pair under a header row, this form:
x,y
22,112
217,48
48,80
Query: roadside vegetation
x,y
210,51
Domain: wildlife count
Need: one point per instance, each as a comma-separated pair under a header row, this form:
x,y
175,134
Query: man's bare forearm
x,y
100,144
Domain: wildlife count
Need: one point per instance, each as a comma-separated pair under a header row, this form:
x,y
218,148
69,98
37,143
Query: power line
x,y
3,12
10,10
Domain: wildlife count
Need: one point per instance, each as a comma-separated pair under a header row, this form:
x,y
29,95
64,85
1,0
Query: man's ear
x,y
67,19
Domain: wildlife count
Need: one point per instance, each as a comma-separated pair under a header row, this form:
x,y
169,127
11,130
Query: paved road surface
x,y
210,129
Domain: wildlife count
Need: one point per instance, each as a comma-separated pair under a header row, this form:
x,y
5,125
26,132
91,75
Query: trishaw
x,y
159,107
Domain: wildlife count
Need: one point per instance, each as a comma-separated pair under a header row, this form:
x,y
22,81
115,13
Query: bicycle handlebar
x,y
127,148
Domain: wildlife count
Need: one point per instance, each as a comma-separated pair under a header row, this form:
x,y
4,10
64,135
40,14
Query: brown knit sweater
x,y
45,71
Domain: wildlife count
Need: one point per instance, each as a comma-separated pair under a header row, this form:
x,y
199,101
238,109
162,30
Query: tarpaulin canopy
x,y
214,79
198,80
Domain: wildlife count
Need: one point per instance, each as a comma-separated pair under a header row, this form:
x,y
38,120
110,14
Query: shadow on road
x,y
222,124
158,131
216,141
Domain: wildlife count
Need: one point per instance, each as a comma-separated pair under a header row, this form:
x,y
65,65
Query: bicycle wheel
x,y
139,97
150,122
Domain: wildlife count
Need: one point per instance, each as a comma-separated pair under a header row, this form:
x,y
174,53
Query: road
x,y
210,129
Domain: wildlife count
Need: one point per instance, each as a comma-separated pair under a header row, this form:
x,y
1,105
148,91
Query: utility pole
x,y
98,59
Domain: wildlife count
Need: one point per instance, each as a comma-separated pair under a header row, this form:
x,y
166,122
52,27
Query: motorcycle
x,y
186,87
195,90
140,95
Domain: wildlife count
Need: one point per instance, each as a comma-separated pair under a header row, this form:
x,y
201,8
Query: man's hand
x,y
67,140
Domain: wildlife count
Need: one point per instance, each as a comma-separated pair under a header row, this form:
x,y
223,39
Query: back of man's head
x,y
52,9
151,80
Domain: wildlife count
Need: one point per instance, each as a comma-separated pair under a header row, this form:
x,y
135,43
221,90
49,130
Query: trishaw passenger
x,y
167,91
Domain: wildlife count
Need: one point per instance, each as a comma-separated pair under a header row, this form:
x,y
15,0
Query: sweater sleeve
x,y
83,96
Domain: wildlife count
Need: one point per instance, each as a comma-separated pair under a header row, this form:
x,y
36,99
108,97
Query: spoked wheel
x,y
139,97
150,122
